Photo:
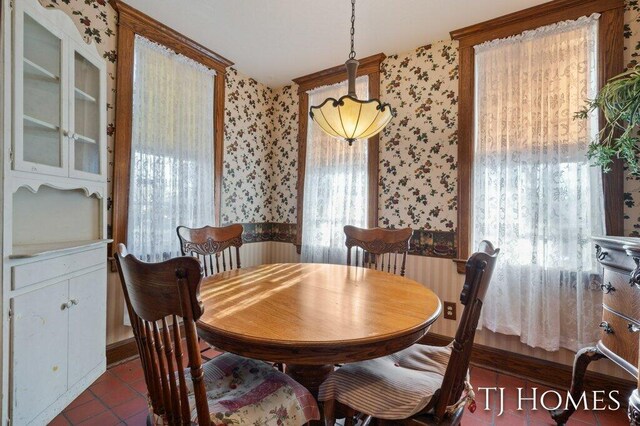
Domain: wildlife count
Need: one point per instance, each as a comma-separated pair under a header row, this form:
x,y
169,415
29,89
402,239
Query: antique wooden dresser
x,y
619,337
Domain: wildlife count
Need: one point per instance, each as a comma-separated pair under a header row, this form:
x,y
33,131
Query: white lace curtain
x,y
171,150
335,185
534,193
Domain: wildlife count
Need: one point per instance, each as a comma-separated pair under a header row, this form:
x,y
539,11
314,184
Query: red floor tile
x,y
106,418
60,420
118,395
84,397
612,418
129,371
482,377
140,386
85,411
107,383
130,408
139,419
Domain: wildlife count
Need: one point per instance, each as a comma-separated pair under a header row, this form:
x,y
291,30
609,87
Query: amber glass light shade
x,y
351,119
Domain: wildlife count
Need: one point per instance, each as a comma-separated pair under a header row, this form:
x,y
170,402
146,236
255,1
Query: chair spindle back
x,y
378,248
478,270
217,248
157,295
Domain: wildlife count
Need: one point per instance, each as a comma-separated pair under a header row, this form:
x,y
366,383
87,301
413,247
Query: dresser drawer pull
x,y
600,254
633,328
606,327
607,288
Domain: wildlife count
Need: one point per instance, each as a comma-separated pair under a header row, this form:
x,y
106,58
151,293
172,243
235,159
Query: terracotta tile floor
x,y
118,397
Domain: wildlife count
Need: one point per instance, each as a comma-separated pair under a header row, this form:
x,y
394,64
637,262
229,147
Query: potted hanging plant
x,y
619,101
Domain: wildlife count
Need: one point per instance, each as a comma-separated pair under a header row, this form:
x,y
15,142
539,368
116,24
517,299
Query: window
x,y
609,61
337,182
535,195
335,186
166,78
172,150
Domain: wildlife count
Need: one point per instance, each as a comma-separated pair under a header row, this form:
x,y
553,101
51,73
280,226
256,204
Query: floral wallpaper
x,y
284,171
246,185
631,55
418,148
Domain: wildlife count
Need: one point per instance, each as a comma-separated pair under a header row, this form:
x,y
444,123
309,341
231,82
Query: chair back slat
x,y
373,244
168,345
213,246
158,295
164,383
478,271
183,390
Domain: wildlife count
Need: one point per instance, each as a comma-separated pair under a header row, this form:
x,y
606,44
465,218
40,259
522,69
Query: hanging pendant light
x,y
349,118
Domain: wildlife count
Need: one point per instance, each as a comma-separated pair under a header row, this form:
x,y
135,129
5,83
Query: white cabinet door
x,y
40,93
39,350
88,115
87,323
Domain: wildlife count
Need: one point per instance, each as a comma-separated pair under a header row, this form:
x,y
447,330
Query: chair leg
x,y
329,410
349,414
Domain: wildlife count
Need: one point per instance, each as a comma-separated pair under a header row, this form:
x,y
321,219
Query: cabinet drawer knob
x,y
633,328
607,288
600,254
634,277
606,327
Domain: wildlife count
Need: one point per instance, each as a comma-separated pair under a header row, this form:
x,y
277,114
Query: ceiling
x,y
277,40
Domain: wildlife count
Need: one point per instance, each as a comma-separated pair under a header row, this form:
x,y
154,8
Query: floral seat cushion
x,y
393,387
246,391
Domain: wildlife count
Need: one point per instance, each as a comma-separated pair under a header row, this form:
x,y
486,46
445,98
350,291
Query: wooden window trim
x,y
131,22
610,64
369,66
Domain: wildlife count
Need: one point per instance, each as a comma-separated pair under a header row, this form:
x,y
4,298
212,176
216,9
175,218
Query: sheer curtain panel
x,y
335,184
171,150
534,193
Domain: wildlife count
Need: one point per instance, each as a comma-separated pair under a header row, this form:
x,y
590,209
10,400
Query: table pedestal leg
x,y
309,376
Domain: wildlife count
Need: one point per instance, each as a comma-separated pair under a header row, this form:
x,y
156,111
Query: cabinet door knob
x,y
607,288
633,328
74,301
65,306
606,327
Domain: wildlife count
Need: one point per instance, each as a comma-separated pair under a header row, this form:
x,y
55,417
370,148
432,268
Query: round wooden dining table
x,y
312,316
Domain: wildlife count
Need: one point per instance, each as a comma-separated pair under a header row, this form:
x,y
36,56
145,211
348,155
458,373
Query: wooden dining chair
x,y
378,248
420,385
217,248
227,389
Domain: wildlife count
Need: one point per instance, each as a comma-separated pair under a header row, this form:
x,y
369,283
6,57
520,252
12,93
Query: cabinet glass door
x,y
39,143
87,118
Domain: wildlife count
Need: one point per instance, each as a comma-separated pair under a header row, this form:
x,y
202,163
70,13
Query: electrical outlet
x,y
449,310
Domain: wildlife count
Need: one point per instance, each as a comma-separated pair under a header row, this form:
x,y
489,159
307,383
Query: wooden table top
x,y
310,313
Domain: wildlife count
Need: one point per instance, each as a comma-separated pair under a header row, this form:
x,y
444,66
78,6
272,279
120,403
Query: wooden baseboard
x,y
546,373
121,351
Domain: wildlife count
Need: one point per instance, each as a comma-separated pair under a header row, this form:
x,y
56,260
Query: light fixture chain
x,y
352,54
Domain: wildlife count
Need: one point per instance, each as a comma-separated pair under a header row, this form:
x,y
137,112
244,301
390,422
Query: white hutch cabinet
x,y
54,242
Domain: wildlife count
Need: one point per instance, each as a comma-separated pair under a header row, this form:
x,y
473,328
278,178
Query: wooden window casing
x,y
131,22
369,66
610,64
